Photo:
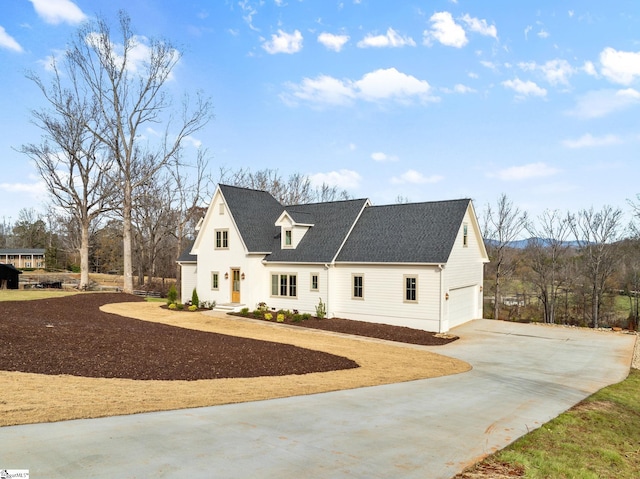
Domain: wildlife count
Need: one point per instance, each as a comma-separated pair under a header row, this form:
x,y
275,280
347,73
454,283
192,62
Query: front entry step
x,y
229,307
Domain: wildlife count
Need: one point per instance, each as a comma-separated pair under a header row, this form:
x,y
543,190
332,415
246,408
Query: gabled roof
x,y
405,233
254,213
10,267
39,251
332,222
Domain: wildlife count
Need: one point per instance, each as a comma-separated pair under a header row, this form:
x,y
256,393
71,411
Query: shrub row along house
x,y
417,264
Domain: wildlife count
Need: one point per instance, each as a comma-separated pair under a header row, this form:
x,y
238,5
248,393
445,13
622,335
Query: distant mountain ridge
x,y
523,243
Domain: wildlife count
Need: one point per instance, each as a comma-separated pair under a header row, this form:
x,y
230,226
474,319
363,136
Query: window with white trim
x,y
284,285
410,289
288,238
357,290
215,280
222,239
315,285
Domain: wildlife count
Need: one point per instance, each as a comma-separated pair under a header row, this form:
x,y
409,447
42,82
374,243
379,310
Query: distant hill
x,y
523,243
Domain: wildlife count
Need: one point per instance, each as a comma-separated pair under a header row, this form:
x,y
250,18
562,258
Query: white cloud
x,y
524,88
194,141
599,103
390,83
37,190
445,30
589,141
590,69
620,67
480,26
7,41
543,33
379,85
526,31
382,157
524,172
284,42
390,39
489,65
333,42
416,178
58,11
555,71
323,90
343,179
460,88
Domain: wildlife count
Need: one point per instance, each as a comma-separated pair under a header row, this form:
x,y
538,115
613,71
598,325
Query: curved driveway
x,y
523,375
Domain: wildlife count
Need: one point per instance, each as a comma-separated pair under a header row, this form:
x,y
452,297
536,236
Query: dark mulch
x,y
370,330
70,335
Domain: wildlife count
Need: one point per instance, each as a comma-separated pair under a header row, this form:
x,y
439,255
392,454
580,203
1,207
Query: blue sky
x,y
429,100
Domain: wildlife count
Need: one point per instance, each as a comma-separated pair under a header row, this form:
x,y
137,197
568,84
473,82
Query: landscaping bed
x,y
349,326
71,336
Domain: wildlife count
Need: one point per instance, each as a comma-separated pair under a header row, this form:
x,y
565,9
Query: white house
x,y
418,264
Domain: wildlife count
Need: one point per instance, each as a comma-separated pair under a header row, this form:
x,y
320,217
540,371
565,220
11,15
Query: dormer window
x,y
288,238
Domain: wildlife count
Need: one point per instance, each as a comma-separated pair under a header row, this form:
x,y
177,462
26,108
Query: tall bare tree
x,y
595,233
126,76
502,225
297,189
548,252
69,159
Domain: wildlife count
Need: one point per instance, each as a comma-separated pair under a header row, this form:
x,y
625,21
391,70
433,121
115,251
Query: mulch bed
x,y
370,330
70,335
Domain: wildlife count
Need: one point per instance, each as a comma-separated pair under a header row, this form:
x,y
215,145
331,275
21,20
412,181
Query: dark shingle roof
x,y
320,244
39,251
255,213
186,256
405,233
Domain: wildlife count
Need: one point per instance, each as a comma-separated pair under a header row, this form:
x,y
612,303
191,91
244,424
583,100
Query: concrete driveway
x,y
523,375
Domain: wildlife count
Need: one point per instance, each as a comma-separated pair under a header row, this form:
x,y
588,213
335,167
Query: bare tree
x,y
297,189
501,226
191,187
548,251
130,96
595,233
69,159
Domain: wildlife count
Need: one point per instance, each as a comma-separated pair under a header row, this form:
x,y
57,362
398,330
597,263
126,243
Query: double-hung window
x,y
215,280
314,282
284,285
410,289
222,239
357,286
288,238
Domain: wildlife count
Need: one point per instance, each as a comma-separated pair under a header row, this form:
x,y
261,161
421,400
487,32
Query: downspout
x,y
326,265
441,315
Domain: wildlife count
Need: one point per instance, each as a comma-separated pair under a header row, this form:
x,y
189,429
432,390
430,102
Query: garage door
x,y
462,305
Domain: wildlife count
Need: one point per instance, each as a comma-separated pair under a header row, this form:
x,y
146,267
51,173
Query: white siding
x,y
464,270
189,279
222,260
384,290
306,300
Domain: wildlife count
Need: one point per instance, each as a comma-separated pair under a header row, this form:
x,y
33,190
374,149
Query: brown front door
x,y
235,285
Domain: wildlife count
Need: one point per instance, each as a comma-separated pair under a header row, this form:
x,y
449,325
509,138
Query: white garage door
x,y
462,305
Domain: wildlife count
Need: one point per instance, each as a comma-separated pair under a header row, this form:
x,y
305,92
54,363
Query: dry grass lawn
x,y
33,398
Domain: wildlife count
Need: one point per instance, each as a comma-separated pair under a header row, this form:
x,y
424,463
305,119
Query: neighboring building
x,y
418,264
23,257
9,277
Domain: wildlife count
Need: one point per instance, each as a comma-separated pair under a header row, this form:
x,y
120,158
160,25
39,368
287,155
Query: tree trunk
x,y
127,240
84,255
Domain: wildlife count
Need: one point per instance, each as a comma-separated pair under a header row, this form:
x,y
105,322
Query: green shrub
x,y
257,313
193,307
244,312
306,316
194,298
296,318
179,306
321,310
172,295
173,306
